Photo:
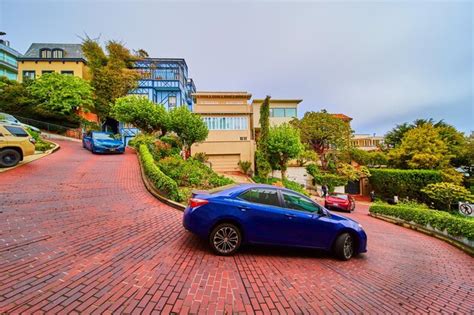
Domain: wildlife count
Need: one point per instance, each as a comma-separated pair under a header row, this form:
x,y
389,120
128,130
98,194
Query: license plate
x,y
335,204
111,149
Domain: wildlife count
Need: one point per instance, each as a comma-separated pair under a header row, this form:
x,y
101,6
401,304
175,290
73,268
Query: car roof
x,y
242,187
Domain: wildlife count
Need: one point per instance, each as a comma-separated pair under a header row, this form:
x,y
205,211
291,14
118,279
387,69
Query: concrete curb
x,y
44,154
465,248
154,191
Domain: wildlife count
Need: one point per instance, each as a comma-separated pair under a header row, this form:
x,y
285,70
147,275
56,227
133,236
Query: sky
x,y
380,62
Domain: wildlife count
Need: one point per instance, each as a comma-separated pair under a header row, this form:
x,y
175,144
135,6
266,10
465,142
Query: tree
x,y
141,113
189,127
283,144
421,148
306,156
323,132
453,138
261,157
61,94
112,74
369,158
446,194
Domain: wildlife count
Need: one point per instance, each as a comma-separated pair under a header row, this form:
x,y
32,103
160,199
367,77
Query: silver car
x,y
11,119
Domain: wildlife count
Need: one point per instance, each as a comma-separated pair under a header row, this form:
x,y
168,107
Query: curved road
x,y
79,232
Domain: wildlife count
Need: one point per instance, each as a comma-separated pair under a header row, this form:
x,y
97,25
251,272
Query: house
x,y
8,60
228,116
281,111
367,142
43,58
165,81
233,125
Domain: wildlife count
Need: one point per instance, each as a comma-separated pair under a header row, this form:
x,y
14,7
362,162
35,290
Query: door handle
x,y
290,216
243,209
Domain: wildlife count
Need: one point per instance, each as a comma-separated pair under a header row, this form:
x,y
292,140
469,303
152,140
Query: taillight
x,y
196,202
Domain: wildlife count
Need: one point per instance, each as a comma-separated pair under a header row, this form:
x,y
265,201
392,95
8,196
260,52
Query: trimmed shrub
x,y
142,138
245,167
402,183
320,178
162,182
454,225
192,173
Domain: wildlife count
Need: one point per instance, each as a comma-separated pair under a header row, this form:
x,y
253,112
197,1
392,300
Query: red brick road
x,y
79,232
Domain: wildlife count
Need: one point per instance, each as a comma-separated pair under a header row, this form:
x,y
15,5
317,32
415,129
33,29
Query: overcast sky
x,y
381,63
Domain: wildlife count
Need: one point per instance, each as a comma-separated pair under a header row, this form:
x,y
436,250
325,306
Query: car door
x,y
265,219
307,220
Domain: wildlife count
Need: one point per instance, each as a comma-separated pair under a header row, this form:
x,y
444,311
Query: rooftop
x,y
237,94
71,51
342,116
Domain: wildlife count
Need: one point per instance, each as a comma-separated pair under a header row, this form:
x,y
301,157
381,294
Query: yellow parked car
x,y
15,144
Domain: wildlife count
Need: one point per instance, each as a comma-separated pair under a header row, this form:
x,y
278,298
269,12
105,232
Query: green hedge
x,y
402,183
161,181
454,225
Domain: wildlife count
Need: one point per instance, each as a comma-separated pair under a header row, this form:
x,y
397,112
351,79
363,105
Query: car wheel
x,y
225,239
9,158
344,246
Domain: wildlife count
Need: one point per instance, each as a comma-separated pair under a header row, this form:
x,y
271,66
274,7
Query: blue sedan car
x,y
102,142
262,214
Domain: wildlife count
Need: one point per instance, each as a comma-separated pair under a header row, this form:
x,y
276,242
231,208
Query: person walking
x,y
324,188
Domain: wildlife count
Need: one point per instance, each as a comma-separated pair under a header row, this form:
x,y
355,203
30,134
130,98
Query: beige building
x,y
228,116
367,142
281,111
233,123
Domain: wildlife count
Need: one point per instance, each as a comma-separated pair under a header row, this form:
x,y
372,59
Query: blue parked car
x,y
102,142
262,214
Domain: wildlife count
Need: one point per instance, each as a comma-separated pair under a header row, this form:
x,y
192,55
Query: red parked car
x,y
339,201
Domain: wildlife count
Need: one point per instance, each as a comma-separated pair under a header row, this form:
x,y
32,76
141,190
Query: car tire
x,y
9,158
225,239
344,246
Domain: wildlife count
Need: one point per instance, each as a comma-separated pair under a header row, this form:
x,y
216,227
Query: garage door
x,y
227,162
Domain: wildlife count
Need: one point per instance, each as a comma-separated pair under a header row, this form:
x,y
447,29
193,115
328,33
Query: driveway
x,y
79,232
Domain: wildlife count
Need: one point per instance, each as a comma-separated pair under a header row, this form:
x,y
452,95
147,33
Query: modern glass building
x,y
8,60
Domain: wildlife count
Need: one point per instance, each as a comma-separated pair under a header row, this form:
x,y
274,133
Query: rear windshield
x,y
17,131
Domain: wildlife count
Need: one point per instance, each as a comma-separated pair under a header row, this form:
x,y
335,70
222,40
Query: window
x,y
296,202
58,53
262,196
172,101
29,74
243,138
226,123
45,53
290,112
46,71
17,131
67,72
278,112
283,112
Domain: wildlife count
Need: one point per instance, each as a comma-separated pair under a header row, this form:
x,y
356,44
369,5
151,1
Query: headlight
x,y
360,225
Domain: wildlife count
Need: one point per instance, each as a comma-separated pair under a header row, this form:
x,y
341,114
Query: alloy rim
x,y
348,248
226,239
8,159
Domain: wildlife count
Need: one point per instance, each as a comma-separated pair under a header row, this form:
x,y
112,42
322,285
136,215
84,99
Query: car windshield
x,y
103,136
8,117
340,196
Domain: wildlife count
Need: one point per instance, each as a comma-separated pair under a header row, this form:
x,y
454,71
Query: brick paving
x,y
80,234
